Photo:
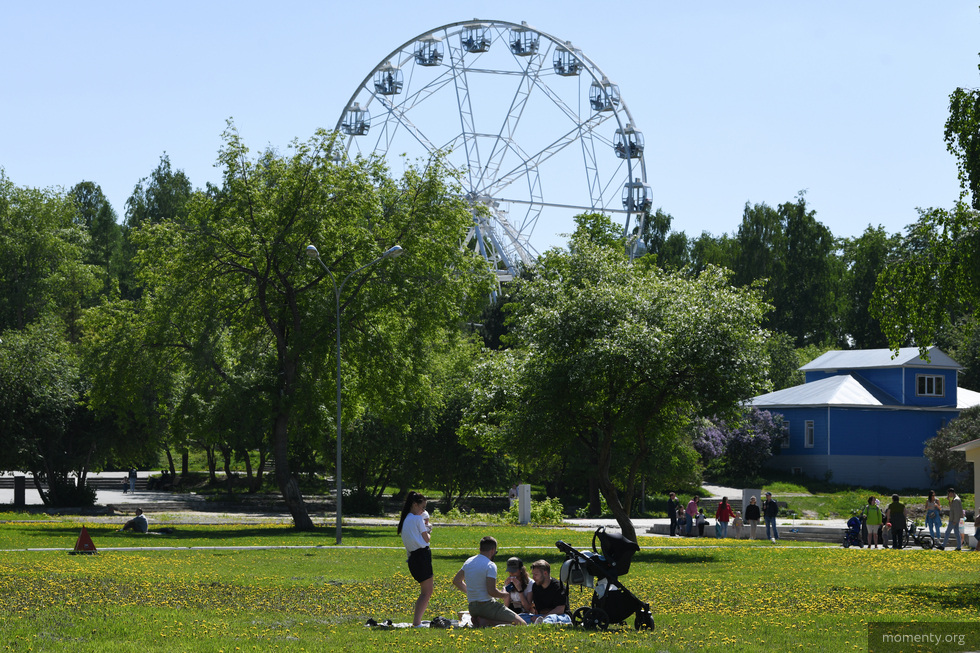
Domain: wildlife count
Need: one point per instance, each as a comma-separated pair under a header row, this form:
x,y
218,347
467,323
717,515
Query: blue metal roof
x,y
878,358
843,390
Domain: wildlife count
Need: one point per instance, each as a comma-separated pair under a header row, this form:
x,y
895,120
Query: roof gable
x,y
853,359
843,390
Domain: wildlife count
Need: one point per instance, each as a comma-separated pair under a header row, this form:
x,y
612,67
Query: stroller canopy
x,y
617,552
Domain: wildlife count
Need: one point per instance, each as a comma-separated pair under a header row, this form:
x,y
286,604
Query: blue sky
x,y
750,101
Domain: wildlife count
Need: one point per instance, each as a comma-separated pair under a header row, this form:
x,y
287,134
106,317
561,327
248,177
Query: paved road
x,y
103,497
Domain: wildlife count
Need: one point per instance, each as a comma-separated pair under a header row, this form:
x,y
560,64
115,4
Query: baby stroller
x,y
601,569
852,534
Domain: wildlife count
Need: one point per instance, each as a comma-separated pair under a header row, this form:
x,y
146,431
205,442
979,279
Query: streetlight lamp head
x,y
393,251
312,252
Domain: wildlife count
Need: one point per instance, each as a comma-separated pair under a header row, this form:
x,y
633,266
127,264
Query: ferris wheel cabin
x,y
356,121
428,52
475,38
604,96
628,143
566,63
388,80
637,197
523,42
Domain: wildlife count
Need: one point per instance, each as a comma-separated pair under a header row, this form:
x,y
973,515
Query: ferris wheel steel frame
x,y
505,174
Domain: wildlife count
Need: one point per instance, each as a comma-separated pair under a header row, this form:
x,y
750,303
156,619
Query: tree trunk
x,y
257,483
170,465
226,458
287,484
212,465
618,510
184,462
609,491
595,503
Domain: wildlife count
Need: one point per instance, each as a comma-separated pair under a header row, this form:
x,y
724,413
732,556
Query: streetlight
x,y
312,252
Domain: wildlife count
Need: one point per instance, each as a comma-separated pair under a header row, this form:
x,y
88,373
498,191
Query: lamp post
x,y
312,252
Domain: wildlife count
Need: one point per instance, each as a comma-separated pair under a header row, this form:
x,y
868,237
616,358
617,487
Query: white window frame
x,y
930,385
808,433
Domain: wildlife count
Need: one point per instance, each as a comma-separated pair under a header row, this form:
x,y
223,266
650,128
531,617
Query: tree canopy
x,y
609,361
230,289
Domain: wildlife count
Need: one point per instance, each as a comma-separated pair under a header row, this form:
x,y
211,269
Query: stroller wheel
x,y
596,619
847,543
643,621
578,617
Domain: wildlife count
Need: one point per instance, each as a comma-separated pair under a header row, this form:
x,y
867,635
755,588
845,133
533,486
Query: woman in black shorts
x,y
415,530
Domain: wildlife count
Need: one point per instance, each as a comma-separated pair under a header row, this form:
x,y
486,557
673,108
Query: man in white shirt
x,y
478,580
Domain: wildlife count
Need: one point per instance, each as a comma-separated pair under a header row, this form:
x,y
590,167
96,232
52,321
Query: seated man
x,y
547,594
478,580
138,523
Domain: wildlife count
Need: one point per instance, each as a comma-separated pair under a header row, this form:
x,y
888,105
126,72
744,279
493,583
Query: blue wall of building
x,y
862,432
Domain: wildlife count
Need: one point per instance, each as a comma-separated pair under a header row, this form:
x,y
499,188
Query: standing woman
x,y
723,515
873,519
934,521
415,536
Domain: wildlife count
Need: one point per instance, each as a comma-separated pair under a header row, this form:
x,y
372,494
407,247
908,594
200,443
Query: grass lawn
x,y
737,597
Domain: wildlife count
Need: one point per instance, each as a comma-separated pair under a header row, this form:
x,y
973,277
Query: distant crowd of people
x,y
876,520
691,521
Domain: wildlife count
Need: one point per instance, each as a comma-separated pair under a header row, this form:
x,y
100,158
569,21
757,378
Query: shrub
x,y
362,502
64,493
547,512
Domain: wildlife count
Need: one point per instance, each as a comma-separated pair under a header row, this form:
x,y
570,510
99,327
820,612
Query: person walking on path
x,y
132,479
692,513
723,515
672,506
770,510
415,536
477,578
752,516
955,515
873,520
934,520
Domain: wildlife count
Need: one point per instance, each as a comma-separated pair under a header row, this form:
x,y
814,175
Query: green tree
x,y
611,358
234,291
942,461
761,248
707,250
962,136
806,294
136,381
932,279
96,215
41,258
162,196
865,257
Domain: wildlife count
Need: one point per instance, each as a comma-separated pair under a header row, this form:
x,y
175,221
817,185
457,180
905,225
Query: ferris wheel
x,y
537,130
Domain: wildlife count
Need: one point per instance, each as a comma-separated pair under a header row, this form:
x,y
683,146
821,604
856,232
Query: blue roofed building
x,y
863,416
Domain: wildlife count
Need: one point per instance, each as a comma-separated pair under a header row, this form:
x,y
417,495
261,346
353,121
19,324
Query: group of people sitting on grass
x,y
524,600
